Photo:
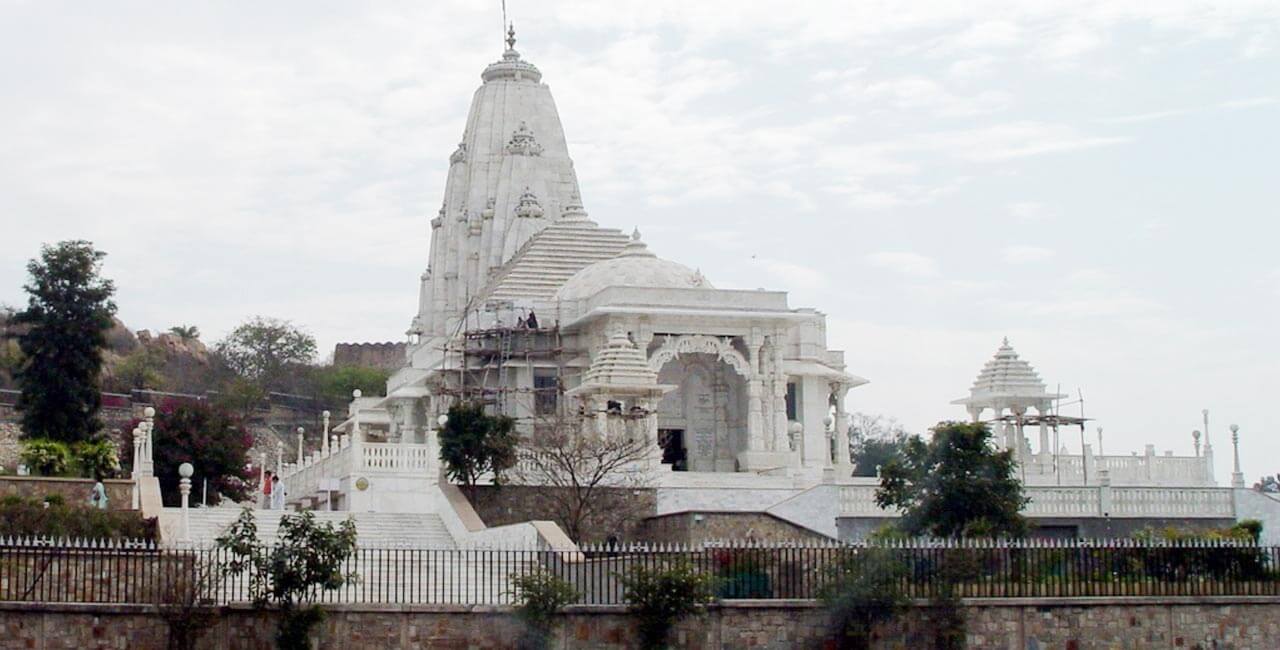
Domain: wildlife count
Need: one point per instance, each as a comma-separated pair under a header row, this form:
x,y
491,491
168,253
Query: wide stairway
x,y
373,529
400,558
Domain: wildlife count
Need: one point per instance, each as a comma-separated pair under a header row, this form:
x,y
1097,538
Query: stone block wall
x,y
1078,624
699,527
619,512
390,356
73,490
10,449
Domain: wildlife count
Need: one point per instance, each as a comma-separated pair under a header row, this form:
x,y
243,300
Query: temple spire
x,y
511,36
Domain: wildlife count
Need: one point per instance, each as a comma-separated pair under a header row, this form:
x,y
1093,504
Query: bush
x,y
864,590
660,596
53,517
46,457
97,459
212,439
541,596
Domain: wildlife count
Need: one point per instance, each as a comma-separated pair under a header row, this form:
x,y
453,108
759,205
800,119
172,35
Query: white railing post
x,y
185,470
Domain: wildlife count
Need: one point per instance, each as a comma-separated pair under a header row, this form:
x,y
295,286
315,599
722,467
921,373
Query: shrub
x,y
541,595
212,439
53,517
46,457
306,560
864,590
96,458
660,596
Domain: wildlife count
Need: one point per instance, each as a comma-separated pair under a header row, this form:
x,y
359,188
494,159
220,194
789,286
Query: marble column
x,y
842,430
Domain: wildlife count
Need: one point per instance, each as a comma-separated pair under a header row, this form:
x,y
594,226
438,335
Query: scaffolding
x,y
485,350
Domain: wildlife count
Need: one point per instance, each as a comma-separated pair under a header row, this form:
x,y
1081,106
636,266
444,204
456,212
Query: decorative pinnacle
x,y
635,234
511,36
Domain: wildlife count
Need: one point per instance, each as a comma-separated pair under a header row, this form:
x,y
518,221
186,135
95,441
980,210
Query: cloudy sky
x,y
1096,180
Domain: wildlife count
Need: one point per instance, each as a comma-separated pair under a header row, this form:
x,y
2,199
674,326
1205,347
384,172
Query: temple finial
x,y
635,234
511,36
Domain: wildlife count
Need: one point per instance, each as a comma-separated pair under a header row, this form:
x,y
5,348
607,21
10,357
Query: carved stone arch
x,y
721,347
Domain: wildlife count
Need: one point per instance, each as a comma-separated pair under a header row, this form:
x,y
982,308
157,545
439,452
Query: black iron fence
x,y
47,571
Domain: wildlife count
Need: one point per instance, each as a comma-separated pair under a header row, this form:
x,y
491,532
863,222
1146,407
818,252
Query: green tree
x,y
333,384
68,314
265,349
306,560
212,439
955,485
473,443
142,369
874,440
185,332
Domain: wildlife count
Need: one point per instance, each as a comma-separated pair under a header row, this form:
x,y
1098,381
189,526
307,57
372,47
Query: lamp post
x,y
324,437
1237,478
185,470
301,431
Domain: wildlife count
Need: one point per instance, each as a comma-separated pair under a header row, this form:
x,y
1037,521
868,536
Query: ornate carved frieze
x,y
459,154
529,208
720,347
522,142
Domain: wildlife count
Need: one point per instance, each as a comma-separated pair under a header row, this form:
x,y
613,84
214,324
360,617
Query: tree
x,y
333,384
142,369
954,485
306,560
473,444
874,440
185,332
264,349
574,467
68,314
210,438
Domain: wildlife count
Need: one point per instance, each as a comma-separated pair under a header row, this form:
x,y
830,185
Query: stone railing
x,y
364,458
1133,470
1084,501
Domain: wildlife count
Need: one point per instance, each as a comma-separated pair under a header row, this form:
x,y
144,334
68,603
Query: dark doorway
x,y
673,452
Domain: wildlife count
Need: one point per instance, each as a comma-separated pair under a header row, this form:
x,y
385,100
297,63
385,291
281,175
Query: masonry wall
x,y
73,490
699,527
1079,624
618,513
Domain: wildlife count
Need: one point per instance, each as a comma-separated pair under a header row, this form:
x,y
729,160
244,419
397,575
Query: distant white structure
x,y
1010,396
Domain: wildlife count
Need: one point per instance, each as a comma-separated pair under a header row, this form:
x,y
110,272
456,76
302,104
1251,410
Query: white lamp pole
x,y
324,437
301,431
185,470
1237,478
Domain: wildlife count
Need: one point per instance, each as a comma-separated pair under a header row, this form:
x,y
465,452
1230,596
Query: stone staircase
x,y
400,558
552,256
373,529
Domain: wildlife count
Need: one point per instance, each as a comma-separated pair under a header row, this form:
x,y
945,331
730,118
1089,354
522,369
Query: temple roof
x,y
1007,381
620,363
635,266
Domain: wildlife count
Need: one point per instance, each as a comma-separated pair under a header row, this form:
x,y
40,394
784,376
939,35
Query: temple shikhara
x,y
541,311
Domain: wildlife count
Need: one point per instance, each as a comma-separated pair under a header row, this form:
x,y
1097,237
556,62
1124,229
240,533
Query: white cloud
x,y
1030,211
1023,254
904,262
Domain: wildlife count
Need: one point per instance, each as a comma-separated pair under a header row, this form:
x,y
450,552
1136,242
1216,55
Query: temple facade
x,y
523,291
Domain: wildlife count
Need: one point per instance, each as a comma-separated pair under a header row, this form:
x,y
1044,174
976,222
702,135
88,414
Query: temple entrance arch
x,y
709,405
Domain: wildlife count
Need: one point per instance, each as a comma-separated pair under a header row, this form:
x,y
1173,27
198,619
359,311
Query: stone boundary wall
x,y
389,355
75,491
1005,624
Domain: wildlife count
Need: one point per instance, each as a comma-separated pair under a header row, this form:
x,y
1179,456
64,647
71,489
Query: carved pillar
x,y
755,408
841,425
781,436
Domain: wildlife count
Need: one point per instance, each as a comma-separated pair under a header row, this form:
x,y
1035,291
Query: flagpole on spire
x,y
504,20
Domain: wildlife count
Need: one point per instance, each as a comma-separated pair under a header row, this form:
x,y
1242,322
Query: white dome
x,y
634,267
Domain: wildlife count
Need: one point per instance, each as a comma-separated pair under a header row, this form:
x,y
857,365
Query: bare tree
x,y
579,468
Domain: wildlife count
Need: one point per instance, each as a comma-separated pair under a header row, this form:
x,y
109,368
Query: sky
x,y
1095,180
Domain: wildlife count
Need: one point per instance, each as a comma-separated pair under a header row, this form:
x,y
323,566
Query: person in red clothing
x,y
266,489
